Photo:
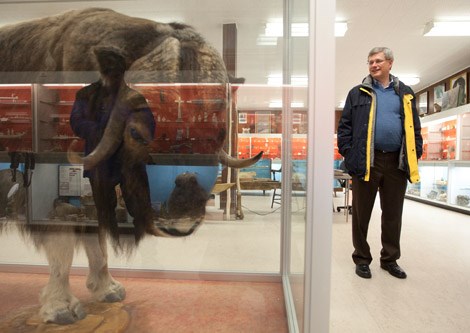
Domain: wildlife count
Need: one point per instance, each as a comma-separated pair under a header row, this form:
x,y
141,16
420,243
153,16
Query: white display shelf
x,y
446,182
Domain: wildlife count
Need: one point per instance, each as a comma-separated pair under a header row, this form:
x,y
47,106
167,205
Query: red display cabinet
x,y
16,132
191,118
439,141
55,103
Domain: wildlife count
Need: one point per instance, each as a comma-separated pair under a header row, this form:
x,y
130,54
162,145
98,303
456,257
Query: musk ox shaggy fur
x,y
153,52
158,52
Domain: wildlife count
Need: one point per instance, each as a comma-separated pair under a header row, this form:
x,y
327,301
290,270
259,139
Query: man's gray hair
x,y
387,52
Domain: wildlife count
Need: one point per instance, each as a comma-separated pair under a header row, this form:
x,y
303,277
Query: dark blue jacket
x,y
90,115
357,125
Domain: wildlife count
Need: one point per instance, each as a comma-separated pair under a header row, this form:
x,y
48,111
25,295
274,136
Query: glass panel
x,y
96,166
434,182
460,189
298,153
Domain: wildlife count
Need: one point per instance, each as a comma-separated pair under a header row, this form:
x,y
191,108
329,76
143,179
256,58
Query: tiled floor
x,y
436,295
434,298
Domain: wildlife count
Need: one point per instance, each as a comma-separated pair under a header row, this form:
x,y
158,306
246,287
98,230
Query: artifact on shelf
x,y
463,200
432,195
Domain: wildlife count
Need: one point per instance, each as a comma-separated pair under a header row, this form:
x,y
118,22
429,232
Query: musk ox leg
x,y
58,304
100,282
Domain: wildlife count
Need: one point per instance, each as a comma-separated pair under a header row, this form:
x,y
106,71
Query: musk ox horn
x,y
109,143
122,126
227,160
112,137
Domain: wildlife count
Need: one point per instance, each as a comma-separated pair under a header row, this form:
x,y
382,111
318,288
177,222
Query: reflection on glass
x,y
151,112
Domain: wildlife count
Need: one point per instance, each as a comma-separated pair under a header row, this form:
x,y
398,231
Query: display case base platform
x,y
151,305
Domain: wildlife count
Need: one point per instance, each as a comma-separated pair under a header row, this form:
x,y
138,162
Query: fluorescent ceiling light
x,y
296,80
299,80
16,85
299,30
409,80
297,104
274,79
340,29
276,29
448,28
275,104
278,104
64,84
266,40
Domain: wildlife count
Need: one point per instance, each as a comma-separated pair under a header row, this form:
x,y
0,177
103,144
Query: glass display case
x,y
270,144
433,185
278,263
465,137
459,194
439,140
445,165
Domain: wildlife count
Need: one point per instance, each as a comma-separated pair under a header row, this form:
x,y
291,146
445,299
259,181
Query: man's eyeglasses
x,y
378,62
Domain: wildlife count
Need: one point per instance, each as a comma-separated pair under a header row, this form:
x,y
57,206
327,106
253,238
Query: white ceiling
x,y
397,24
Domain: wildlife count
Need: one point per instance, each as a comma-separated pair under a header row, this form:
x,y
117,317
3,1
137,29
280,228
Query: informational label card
x,y
70,180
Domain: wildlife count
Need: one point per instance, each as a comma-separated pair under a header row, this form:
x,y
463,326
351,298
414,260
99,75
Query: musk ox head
x,y
185,208
188,198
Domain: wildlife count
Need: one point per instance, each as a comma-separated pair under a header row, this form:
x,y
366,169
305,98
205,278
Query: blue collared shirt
x,y
388,123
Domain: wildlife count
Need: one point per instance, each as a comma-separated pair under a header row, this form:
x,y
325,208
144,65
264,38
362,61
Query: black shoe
x,y
394,270
363,271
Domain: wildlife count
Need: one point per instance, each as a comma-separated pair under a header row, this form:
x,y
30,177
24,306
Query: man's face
x,y
379,67
112,67
112,71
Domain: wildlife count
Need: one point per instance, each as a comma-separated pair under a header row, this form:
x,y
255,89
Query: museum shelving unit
x,y
270,144
188,117
54,104
445,165
16,126
191,121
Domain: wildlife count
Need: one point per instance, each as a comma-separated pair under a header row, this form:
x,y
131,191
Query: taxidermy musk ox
x,y
154,52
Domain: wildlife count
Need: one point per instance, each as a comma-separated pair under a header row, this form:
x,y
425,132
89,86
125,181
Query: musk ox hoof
x,y
115,296
114,292
64,315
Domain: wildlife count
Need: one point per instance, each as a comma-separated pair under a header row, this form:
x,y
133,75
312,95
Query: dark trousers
x,y
386,178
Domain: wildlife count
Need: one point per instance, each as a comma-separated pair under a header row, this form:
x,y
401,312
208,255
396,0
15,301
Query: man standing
x,y
89,118
379,136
